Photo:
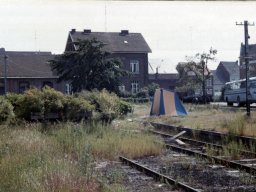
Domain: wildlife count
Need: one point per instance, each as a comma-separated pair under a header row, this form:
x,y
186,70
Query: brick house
x,y
164,80
26,70
225,72
130,48
252,60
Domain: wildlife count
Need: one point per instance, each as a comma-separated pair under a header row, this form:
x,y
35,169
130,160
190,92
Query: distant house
x,y
225,72
252,60
131,48
26,70
164,80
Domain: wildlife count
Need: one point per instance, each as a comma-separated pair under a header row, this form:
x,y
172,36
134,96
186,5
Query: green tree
x,y
89,67
152,88
194,72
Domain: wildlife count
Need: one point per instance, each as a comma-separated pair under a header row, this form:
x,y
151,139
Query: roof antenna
x,y
35,41
105,16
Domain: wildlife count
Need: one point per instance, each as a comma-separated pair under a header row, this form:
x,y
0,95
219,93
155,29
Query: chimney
x,y
87,31
124,32
73,31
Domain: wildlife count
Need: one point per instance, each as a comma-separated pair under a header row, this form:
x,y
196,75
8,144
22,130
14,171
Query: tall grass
x,y
61,156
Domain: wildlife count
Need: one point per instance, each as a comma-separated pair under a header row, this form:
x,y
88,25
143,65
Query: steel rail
x,y
244,152
231,164
157,176
207,135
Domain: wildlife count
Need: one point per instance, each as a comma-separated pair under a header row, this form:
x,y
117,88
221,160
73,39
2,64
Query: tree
x,y
194,73
90,67
152,88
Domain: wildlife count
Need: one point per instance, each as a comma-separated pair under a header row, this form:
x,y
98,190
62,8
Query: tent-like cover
x,y
167,103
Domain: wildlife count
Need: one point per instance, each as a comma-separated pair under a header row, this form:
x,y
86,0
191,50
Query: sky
x,y
172,29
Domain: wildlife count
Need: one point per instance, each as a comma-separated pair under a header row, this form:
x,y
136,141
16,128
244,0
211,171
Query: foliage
x,y
124,108
47,101
89,67
143,93
53,100
77,108
31,102
194,73
109,105
152,88
38,101
6,110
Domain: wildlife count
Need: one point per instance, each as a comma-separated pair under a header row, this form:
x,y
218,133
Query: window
x,y
135,87
121,88
23,86
48,83
1,88
209,82
68,88
134,66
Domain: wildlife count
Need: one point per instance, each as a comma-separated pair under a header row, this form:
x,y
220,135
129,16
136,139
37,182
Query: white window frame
x,y
134,87
68,88
135,66
209,82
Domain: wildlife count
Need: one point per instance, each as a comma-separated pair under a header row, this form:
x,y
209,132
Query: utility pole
x,y
246,59
5,74
204,95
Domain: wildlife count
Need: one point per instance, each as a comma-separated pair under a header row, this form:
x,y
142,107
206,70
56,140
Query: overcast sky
x,y
171,29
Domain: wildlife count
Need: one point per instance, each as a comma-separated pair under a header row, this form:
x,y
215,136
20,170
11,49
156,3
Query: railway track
x,y
186,167
199,148
192,173
156,175
208,136
203,144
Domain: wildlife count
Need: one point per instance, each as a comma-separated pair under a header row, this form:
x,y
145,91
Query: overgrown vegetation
x,y
62,158
215,118
46,102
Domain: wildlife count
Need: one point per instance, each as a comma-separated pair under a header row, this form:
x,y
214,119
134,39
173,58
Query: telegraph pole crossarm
x,y
246,59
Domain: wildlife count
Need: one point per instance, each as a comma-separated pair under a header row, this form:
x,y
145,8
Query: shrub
x,y
124,94
143,93
37,101
31,102
109,105
77,108
152,88
124,107
16,101
6,110
53,100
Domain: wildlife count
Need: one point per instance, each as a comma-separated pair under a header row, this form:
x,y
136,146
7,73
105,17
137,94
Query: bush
x,y
6,110
152,88
109,105
30,102
53,100
77,108
124,107
143,93
37,101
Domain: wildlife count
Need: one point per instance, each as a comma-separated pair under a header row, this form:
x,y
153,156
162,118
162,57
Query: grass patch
x,y
214,118
61,156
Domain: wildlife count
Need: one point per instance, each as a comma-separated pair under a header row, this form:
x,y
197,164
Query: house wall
x,y
221,71
142,76
168,84
13,85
